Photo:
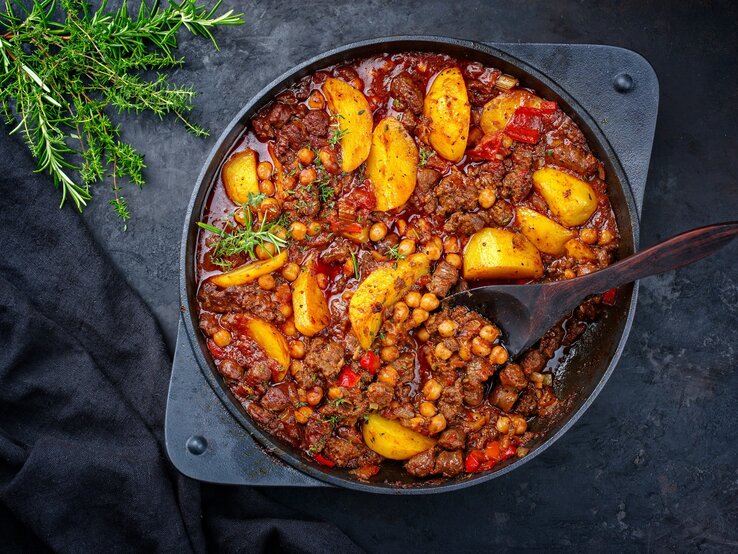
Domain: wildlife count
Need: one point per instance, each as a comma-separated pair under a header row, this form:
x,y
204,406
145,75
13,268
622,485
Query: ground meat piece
x,y
551,341
512,376
317,431
465,223
573,330
379,394
421,465
444,277
450,402
455,192
272,118
260,415
575,158
501,213
407,93
324,355
279,397
449,464
517,183
503,397
247,298
209,324
338,253
424,198
231,369
316,123
341,451
303,204
473,392
527,404
409,121
452,439
533,361
479,92
289,140
257,374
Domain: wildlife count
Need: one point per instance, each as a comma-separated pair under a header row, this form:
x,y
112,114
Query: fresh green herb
x,y
62,66
326,191
355,264
395,104
338,402
336,135
549,152
425,153
394,253
381,336
333,420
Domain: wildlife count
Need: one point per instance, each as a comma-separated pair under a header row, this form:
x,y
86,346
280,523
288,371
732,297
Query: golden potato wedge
x,y
309,304
571,200
447,106
271,342
577,249
239,176
250,272
392,165
380,290
355,121
547,235
390,439
501,254
498,111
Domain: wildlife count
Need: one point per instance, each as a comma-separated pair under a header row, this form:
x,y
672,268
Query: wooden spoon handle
x,y
673,253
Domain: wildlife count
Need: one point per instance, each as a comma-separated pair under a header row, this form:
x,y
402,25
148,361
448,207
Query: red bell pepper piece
x,y
473,461
547,107
487,149
348,378
609,297
322,460
525,125
217,352
370,361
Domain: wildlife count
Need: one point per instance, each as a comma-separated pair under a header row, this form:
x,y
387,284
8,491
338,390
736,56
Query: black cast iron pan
x,y
583,371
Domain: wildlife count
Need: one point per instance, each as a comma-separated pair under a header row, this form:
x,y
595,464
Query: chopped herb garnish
x,y
355,264
425,153
394,253
336,135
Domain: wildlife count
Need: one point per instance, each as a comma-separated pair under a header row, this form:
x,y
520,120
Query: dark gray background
x,y
653,464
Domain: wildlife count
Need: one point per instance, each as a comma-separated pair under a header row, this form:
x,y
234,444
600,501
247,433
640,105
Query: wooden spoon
x,y
526,312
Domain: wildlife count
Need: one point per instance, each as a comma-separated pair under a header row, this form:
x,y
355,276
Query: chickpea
x,y
519,424
441,352
269,209
606,237
389,353
498,355
487,197
433,248
285,309
489,333
316,101
447,328
390,339
503,424
291,271
298,230
335,392
279,231
588,235
419,316
522,451
423,334
451,245
569,274
480,347
432,389
240,217
323,280
305,156
415,423
329,160
264,171
289,328
222,338
400,312
267,282
295,367
429,302
297,349
314,395
314,228
437,424
265,251
406,247
378,231
307,176
412,299
289,182
454,260
266,187
428,409
465,352
388,375
401,226
303,414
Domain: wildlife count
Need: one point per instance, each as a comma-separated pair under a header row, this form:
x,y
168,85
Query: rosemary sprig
x,y
393,252
63,65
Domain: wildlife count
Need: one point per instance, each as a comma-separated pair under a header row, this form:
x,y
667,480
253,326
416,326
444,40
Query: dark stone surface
x,y
652,465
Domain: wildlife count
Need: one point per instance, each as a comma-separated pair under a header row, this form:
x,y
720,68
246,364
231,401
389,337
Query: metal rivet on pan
x,y
197,444
622,82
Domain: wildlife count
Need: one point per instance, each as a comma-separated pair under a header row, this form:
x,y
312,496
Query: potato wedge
x,y
239,176
547,235
309,304
390,439
359,237
392,165
498,111
571,200
355,121
250,272
271,342
447,106
577,249
501,254
380,290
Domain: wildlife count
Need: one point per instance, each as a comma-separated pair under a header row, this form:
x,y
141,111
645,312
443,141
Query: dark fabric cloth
x,y
84,374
